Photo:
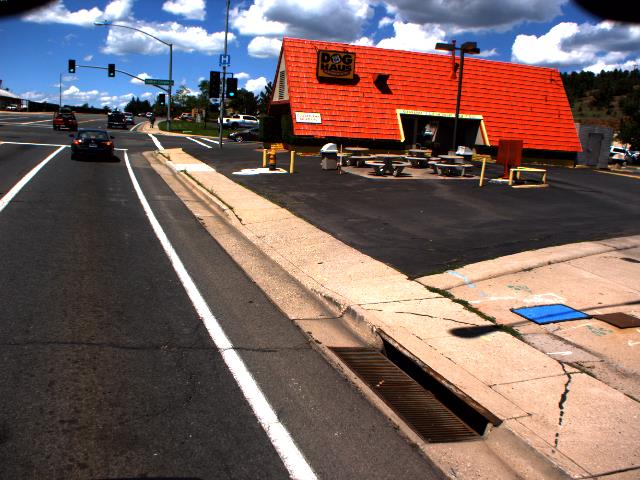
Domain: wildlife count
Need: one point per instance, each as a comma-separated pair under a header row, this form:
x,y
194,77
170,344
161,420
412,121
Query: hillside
x,y
608,98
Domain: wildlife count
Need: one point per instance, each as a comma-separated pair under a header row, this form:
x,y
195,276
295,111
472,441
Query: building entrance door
x,y
594,145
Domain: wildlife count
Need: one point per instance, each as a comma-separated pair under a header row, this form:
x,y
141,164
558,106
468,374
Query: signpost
x,y
157,81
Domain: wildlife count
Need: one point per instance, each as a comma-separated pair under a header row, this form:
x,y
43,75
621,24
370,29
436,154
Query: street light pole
x,y
60,87
107,23
467,47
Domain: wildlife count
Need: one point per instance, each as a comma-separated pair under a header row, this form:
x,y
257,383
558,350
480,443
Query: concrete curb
x,y
524,261
372,327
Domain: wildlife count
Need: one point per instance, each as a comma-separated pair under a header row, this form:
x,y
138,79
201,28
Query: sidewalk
x,y
576,422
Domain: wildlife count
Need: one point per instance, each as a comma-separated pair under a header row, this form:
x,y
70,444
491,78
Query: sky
x,y
550,33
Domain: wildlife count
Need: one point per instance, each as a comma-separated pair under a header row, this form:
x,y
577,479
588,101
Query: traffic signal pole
x,y
224,78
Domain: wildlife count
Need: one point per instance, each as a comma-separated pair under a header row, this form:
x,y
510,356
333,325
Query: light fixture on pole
x,y
107,23
466,47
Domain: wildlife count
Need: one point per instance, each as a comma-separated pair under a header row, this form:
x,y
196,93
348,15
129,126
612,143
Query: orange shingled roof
x,y
515,101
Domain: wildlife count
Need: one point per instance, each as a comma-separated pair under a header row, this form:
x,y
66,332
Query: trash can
x,y
329,153
465,152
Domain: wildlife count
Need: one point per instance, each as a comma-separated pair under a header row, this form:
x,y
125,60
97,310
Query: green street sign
x,y
157,81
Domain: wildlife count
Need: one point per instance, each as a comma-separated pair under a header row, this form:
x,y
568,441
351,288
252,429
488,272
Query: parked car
x,y
12,107
245,134
237,120
186,117
129,118
148,114
65,118
619,155
116,120
90,143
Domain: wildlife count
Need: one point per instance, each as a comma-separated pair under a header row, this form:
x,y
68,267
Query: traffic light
x,y
214,84
72,66
161,100
112,69
232,87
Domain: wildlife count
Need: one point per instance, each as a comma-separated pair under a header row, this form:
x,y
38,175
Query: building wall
x,y
586,134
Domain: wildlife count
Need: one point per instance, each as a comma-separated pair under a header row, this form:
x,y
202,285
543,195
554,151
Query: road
x,y
113,365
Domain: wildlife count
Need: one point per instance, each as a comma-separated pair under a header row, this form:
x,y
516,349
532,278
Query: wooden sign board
x,y
334,64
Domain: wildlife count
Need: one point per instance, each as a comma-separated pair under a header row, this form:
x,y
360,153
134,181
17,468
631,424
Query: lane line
x,y
136,126
47,145
199,143
37,121
291,456
36,144
155,140
210,140
4,201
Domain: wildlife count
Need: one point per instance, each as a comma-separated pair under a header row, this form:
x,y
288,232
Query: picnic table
x,y
356,150
452,169
419,152
388,163
358,160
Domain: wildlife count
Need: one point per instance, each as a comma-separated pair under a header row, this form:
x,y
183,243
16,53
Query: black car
x,y
246,134
92,143
116,120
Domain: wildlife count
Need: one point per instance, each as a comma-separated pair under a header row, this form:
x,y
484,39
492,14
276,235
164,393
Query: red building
x,y
355,94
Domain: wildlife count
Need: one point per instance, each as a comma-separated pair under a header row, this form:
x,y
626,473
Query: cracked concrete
x,y
519,386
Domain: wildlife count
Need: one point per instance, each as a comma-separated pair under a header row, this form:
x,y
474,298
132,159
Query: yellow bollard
x,y
292,161
272,159
484,164
264,158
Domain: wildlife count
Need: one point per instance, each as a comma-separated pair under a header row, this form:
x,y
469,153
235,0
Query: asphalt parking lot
x,y
421,227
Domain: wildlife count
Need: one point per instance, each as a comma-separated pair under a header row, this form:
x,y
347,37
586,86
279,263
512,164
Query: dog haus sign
x,y
334,64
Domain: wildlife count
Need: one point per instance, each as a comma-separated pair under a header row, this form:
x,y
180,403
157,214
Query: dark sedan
x,y
245,134
92,143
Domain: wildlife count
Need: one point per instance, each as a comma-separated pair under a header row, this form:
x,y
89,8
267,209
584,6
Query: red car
x,y
65,119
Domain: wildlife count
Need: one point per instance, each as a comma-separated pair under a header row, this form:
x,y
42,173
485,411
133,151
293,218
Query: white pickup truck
x,y
236,121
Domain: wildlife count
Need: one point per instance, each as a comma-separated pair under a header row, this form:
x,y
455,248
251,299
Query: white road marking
x,y
291,456
155,140
210,140
37,121
199,143
136,126
4,201
564,354
36,144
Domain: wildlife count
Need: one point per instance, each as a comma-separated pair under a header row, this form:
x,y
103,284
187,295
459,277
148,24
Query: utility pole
x,y
223,84
60,87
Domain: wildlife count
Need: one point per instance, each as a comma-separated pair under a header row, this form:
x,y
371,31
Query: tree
x,y
244,102
264,98
630,124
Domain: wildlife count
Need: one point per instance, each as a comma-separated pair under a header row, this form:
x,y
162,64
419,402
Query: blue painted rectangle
x,y
550,313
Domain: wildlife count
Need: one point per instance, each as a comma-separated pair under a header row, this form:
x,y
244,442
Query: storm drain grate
x,y
428,417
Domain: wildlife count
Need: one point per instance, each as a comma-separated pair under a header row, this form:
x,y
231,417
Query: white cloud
x,y
384,21
264,47
256,85
146,95
188,39
413,37
488,53
594,47
364,41
118,10
35,96
143,76
87,58
190,9
242,75
315,19
58,13
465,15
74,96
